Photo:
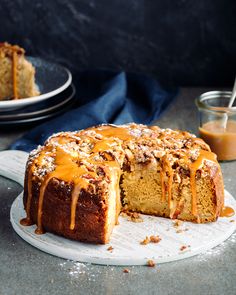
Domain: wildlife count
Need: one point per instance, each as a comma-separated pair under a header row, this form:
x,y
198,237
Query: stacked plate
x,y
57,96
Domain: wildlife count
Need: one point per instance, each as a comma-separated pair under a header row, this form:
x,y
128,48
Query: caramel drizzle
x,y
39,230
227,212
166,169
75,197
13,51
113,131
14,74
170,187
68,170
27,221
203,156
102,145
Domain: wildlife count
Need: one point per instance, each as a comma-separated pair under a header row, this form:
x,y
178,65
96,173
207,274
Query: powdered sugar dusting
x,y
74,268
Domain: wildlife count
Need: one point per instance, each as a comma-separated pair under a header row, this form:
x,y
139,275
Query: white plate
x,y
126,237
41,108
51,79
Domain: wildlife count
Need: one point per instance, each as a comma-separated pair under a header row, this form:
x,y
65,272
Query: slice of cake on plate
x,y
17,75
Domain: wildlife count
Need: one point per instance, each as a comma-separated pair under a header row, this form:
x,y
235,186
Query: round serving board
x,y
177,242
126,238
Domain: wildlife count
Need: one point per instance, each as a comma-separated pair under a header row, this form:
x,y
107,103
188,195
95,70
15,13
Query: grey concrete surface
x,y
26,270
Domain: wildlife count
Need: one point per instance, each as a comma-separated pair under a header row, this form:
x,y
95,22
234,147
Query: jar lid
x,y
205,101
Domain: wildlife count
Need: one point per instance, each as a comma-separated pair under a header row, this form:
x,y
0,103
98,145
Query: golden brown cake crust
x,y
80,167
90,211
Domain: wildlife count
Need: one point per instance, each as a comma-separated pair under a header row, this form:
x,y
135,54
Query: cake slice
x,y
17,75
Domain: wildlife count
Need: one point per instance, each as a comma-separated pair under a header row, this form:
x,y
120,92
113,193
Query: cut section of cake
x,y
17,75
77,183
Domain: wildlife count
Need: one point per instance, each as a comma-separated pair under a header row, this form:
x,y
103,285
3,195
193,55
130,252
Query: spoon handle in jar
x,y
232,98
231,102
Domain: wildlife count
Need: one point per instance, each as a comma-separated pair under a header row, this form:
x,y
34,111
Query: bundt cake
x,y
16,73
77,183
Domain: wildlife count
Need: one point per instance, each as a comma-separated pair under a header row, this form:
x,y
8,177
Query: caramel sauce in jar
x,y
217,123
222,141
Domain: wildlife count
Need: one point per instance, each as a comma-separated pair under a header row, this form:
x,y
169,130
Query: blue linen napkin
x,y
105,97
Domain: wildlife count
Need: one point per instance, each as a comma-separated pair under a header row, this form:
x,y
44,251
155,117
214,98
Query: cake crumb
x,y
151,239
132,216
155,239
232,220
177,223
182,248
135,217
110,248
145,241
151,263
178,231
126,270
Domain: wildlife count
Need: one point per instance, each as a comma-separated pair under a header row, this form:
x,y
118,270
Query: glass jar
x,y
217,123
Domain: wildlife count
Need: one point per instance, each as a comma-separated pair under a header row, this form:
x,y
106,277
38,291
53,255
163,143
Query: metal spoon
x,y
231,102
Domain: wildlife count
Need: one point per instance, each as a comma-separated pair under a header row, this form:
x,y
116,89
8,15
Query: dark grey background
x,y
185,42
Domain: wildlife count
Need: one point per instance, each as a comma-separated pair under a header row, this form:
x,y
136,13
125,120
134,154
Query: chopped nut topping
x,y
151,263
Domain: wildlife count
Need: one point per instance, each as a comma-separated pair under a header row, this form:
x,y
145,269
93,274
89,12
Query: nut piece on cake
x,y
17,75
